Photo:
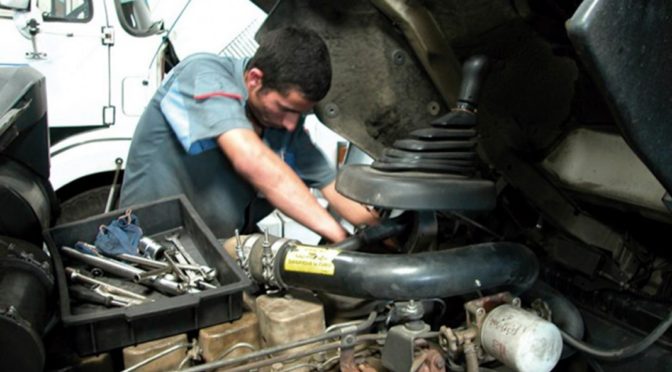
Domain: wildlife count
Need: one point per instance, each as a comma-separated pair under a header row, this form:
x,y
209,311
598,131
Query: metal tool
x,y
77,276
150,248
176,270
192,278
154,264
89,295
125,271
174,239
139,278
207,272
116,298
110,197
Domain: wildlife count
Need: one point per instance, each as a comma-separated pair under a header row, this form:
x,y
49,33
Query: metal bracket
x,y
109,114
107,35
22,260
12,313
33,28
399,349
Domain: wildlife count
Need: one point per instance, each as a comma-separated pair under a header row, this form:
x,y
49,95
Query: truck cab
x,y
102,61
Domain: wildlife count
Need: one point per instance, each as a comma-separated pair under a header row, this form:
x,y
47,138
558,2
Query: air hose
x,y
624,352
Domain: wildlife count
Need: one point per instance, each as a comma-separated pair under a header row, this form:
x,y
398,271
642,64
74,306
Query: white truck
x,y
102,61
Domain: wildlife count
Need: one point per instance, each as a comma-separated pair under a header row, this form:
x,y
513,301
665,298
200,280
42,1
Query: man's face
x,y
272,109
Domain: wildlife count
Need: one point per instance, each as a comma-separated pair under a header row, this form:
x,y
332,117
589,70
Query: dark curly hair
x,y
293,58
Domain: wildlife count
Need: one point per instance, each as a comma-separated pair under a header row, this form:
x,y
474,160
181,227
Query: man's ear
x,y
254,77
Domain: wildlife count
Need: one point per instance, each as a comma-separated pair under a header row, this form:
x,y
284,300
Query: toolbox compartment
x,y
103,329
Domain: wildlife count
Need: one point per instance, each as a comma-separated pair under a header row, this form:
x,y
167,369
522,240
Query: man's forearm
x,y
354,212
287,192
269,174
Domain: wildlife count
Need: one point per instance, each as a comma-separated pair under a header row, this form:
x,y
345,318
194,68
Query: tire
x,y
88,203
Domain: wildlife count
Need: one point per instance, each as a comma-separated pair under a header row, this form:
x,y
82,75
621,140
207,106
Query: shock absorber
x,y
449,145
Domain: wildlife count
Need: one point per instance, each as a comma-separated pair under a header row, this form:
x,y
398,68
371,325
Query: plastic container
x,y
96,329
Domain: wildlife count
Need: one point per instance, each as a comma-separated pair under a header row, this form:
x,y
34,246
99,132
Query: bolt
x,y
399,57
348,340
97,272
332,110
433,108
237,237
478,287
480,311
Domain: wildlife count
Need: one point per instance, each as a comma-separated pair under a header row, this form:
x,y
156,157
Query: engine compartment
x,y
521,169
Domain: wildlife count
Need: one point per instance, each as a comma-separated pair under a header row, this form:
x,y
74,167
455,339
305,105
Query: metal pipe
x,y
267,362
470,357
235,347
440,274
155,357
276,349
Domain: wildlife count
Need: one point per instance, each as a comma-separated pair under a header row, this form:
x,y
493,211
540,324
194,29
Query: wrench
x,y
174,238
173,266
206,272
139,278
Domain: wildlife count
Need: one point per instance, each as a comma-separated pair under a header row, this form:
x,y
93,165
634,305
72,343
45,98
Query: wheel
x,y
86,204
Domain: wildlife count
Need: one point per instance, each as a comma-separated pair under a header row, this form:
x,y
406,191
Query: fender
x,y
92,153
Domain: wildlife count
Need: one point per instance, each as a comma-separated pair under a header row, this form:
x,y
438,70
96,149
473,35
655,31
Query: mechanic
x,y
222,130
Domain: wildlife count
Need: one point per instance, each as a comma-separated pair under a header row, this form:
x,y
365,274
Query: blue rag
x,y
120,236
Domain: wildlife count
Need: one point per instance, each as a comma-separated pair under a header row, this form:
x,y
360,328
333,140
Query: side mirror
x,y
15,4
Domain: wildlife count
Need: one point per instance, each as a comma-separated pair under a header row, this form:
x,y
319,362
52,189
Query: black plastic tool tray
x,y
104,329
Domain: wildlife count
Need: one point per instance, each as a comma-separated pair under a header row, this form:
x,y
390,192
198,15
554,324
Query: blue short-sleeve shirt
x,y
174,149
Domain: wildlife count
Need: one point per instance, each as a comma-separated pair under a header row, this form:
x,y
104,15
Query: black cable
x,y
622,353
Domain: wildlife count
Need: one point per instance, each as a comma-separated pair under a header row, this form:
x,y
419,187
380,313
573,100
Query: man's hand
x,y
355,213
269,174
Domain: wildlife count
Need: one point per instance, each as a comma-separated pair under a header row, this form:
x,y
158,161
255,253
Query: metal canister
x,y
520,339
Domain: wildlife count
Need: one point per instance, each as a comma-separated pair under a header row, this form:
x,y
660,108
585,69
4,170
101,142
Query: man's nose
x,y
289,121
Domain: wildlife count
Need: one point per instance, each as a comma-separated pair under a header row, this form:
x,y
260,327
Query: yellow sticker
x,y
311,260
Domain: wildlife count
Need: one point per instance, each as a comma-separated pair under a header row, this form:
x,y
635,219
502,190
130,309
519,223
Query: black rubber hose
x,y
424,275
564,313
624,352
373,234
474,71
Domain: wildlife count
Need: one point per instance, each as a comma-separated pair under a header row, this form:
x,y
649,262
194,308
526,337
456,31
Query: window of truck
x,y
66,10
